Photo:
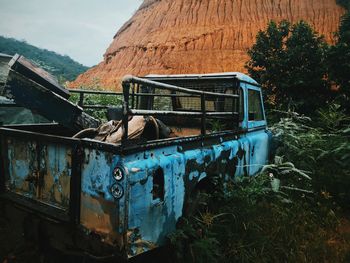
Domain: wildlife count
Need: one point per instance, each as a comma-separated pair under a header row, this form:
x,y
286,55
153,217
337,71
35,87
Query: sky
x,y
81,29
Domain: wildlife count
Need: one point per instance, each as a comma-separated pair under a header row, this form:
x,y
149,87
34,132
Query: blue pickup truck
x,y
120,191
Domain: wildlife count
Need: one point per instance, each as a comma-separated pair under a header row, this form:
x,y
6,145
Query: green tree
x,y
63,67
344,3
289,61
339,61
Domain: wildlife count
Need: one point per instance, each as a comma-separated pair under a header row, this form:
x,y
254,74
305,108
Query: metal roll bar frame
x,y
132,80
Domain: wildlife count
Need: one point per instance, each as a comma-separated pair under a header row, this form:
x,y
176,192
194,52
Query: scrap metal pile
x,y
25,85
29,94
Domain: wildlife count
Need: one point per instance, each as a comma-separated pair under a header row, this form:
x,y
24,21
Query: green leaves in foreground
x,y
253,222
288,213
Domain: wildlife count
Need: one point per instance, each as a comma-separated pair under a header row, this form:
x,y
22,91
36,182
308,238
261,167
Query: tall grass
x,y
288,213
321,146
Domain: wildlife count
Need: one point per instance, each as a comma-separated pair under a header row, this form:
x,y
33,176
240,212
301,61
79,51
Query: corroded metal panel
x,y
40,171
23,167
151,218
37,74
99,211
36,97
55,171
153,215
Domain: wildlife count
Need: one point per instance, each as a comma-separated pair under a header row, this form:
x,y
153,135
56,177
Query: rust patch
x,y
136,244
100,217
64,182
21,152
55,190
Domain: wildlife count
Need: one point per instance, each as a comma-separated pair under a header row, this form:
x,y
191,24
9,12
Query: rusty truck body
x,y
125,198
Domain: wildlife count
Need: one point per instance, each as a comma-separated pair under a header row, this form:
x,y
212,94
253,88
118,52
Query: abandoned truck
x,y
120,188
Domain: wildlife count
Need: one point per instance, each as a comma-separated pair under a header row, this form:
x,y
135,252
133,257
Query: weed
x,y
289,212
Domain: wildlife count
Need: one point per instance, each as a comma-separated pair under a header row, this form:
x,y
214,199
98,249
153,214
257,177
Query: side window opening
x,y
255,112
238,105
158,184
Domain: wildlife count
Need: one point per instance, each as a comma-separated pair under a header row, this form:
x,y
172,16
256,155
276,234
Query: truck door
x,y
257,131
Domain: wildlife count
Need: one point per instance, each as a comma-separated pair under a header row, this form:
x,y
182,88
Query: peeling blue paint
x,y
40,171
96,178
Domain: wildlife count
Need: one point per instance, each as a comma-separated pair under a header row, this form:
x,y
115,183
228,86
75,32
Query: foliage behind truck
x,y
90,194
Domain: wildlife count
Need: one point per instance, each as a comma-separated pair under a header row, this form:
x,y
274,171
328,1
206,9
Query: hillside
x,y
63,67
181,36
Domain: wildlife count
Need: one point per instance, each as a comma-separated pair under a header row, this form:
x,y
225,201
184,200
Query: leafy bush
x,y
285,214
96,99
289,62
320,146
102,100
338,59
256,223
344,3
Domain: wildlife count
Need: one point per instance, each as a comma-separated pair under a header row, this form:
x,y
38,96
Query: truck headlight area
x,y
118,174
117,191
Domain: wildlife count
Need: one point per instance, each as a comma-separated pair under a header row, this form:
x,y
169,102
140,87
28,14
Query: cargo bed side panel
x,y
38,170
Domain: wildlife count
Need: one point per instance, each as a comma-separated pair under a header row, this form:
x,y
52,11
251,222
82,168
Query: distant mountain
x,y
200,36
63,67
